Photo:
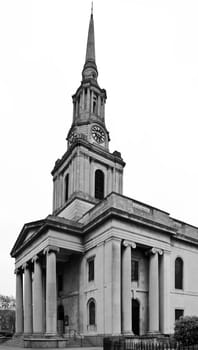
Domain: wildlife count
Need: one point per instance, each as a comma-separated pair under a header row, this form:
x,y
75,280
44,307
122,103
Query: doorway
x,y
60,319
135,317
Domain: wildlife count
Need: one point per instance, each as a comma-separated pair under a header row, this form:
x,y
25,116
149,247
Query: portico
x,y
37,290
29,281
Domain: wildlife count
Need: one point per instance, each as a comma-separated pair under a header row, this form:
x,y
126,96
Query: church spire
x,y
89,101
90,68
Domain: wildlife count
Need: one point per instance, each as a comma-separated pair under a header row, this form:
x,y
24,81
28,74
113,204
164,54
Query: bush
x,y
186,330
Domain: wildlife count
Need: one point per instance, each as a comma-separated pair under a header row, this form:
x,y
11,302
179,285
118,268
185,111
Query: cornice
x,y
102,212
115,156
51,222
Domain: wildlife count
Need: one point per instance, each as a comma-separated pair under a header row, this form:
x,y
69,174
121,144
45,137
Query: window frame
x,y
135,271
91,313
66,187
179,275
99,184
179,310
91,274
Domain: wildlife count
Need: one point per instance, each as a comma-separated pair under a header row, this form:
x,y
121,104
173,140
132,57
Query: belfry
x,y
101,263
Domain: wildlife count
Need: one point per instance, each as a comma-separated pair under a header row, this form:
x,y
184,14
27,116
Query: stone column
x,y
154,290
112,290
88,100
165,293
37,297
74,112
76,109
83,99
27,299
91,101
99,105
19,301
126,287
116,283
51,290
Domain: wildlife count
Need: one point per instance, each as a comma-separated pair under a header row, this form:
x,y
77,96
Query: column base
x,y
50,335
27,334
127,333
154,333
18,334
38,334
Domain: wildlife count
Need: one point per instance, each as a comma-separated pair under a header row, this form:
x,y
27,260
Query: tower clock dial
x,y
98,134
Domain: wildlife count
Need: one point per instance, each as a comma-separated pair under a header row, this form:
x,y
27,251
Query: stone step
x,y
15,341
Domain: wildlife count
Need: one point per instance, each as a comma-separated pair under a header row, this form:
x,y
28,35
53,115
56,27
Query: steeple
x,y
90,68
87,172
89,101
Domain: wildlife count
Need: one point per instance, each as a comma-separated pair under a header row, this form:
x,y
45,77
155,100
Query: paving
x,y
6,347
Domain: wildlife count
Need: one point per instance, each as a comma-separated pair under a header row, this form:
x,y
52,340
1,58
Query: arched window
x,y
179,273
92,312
99,184
66,187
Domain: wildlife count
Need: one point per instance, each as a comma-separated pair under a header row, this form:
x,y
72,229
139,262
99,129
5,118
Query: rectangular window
x,y
178,313
134,270
91,269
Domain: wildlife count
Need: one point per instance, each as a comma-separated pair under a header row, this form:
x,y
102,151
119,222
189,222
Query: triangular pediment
x,y
33,230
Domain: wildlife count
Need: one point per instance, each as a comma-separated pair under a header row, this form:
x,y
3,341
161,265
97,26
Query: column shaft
x,y
153,293
27,300
19,302
112,290
37,298
51,293
116,290
126,290
165,293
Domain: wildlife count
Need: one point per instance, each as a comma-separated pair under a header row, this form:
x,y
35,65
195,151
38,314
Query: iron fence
x,y
118,343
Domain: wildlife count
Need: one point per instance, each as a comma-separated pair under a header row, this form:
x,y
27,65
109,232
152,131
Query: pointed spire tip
x,y
92,8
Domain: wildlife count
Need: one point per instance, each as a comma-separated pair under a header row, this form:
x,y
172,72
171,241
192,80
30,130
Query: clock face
x,y
98,134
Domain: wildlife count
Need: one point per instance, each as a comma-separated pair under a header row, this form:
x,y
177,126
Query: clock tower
x,y
87,172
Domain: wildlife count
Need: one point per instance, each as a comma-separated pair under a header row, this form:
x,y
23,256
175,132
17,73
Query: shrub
x,y
186,330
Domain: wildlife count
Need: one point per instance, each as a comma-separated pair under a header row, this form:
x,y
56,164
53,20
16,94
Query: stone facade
x,y
102,263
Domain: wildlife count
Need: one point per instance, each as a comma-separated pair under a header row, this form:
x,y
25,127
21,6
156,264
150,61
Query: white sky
x,y
147,57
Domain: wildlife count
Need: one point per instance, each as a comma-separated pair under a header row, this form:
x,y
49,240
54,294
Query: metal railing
x,y
119,343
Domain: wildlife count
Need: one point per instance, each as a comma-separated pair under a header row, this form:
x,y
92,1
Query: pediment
x,y
33,230
28,231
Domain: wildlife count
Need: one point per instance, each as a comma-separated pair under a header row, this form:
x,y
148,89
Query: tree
x,y
186,330
7,302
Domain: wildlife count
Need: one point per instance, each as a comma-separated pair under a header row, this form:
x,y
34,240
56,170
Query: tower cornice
x,y
114,157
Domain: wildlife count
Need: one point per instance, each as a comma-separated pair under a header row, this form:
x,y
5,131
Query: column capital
x,y
127,243
35,258
49,249
25,266
153,251
18,270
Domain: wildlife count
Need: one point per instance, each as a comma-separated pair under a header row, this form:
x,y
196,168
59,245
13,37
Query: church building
x,y
101,263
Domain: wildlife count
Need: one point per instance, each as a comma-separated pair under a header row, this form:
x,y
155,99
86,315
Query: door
x,y
135,317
